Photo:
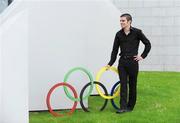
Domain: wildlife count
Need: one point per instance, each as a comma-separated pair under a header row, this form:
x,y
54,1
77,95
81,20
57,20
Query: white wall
x,y
3,5
14,66
160,21
63,35
0,75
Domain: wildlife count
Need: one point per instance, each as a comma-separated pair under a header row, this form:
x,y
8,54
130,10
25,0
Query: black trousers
x,y
128,71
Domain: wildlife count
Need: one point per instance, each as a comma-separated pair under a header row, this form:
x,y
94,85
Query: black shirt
x,y
129,44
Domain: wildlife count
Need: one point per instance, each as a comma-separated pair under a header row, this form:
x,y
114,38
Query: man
x,y
127,39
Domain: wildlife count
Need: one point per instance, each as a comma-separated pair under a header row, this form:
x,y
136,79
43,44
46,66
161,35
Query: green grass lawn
x,y
158,102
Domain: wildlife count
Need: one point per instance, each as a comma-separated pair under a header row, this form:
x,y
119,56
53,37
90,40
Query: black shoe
x,y
120,111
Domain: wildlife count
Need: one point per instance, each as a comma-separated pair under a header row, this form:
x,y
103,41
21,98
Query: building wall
x,y
14,65
69,34
0,76
160,21
4,4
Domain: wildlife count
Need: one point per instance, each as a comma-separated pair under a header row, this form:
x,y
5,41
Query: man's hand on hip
x,y
138,58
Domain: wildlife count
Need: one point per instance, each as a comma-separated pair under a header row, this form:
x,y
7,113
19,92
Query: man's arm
x,y
114,52
146,42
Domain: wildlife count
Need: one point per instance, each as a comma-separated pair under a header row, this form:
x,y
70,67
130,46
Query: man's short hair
x,y
128,16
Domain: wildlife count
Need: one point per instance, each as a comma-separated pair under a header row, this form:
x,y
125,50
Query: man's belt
x,y
127,57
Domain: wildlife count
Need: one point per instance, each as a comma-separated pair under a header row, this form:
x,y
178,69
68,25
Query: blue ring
x,y
112,92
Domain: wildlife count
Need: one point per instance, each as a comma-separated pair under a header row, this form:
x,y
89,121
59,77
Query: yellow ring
x,y
98,76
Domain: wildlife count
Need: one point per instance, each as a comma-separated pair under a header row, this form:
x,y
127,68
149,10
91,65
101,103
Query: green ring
x,y
91,80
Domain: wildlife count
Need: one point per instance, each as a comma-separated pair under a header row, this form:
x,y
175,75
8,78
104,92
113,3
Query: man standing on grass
x,y
127,39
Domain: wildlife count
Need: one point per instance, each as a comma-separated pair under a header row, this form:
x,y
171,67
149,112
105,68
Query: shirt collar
x,y
131,29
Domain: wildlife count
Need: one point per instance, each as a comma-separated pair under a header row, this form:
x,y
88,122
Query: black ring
x,y
82,91
112,92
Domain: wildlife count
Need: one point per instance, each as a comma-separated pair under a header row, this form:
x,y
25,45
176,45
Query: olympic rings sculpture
x,y
102,70
80,99
49,95
91,80
81,96
112,92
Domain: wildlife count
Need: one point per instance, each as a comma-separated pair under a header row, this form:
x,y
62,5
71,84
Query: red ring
x,y
49,95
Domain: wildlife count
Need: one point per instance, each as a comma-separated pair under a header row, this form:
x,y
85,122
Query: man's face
x,y
124,23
